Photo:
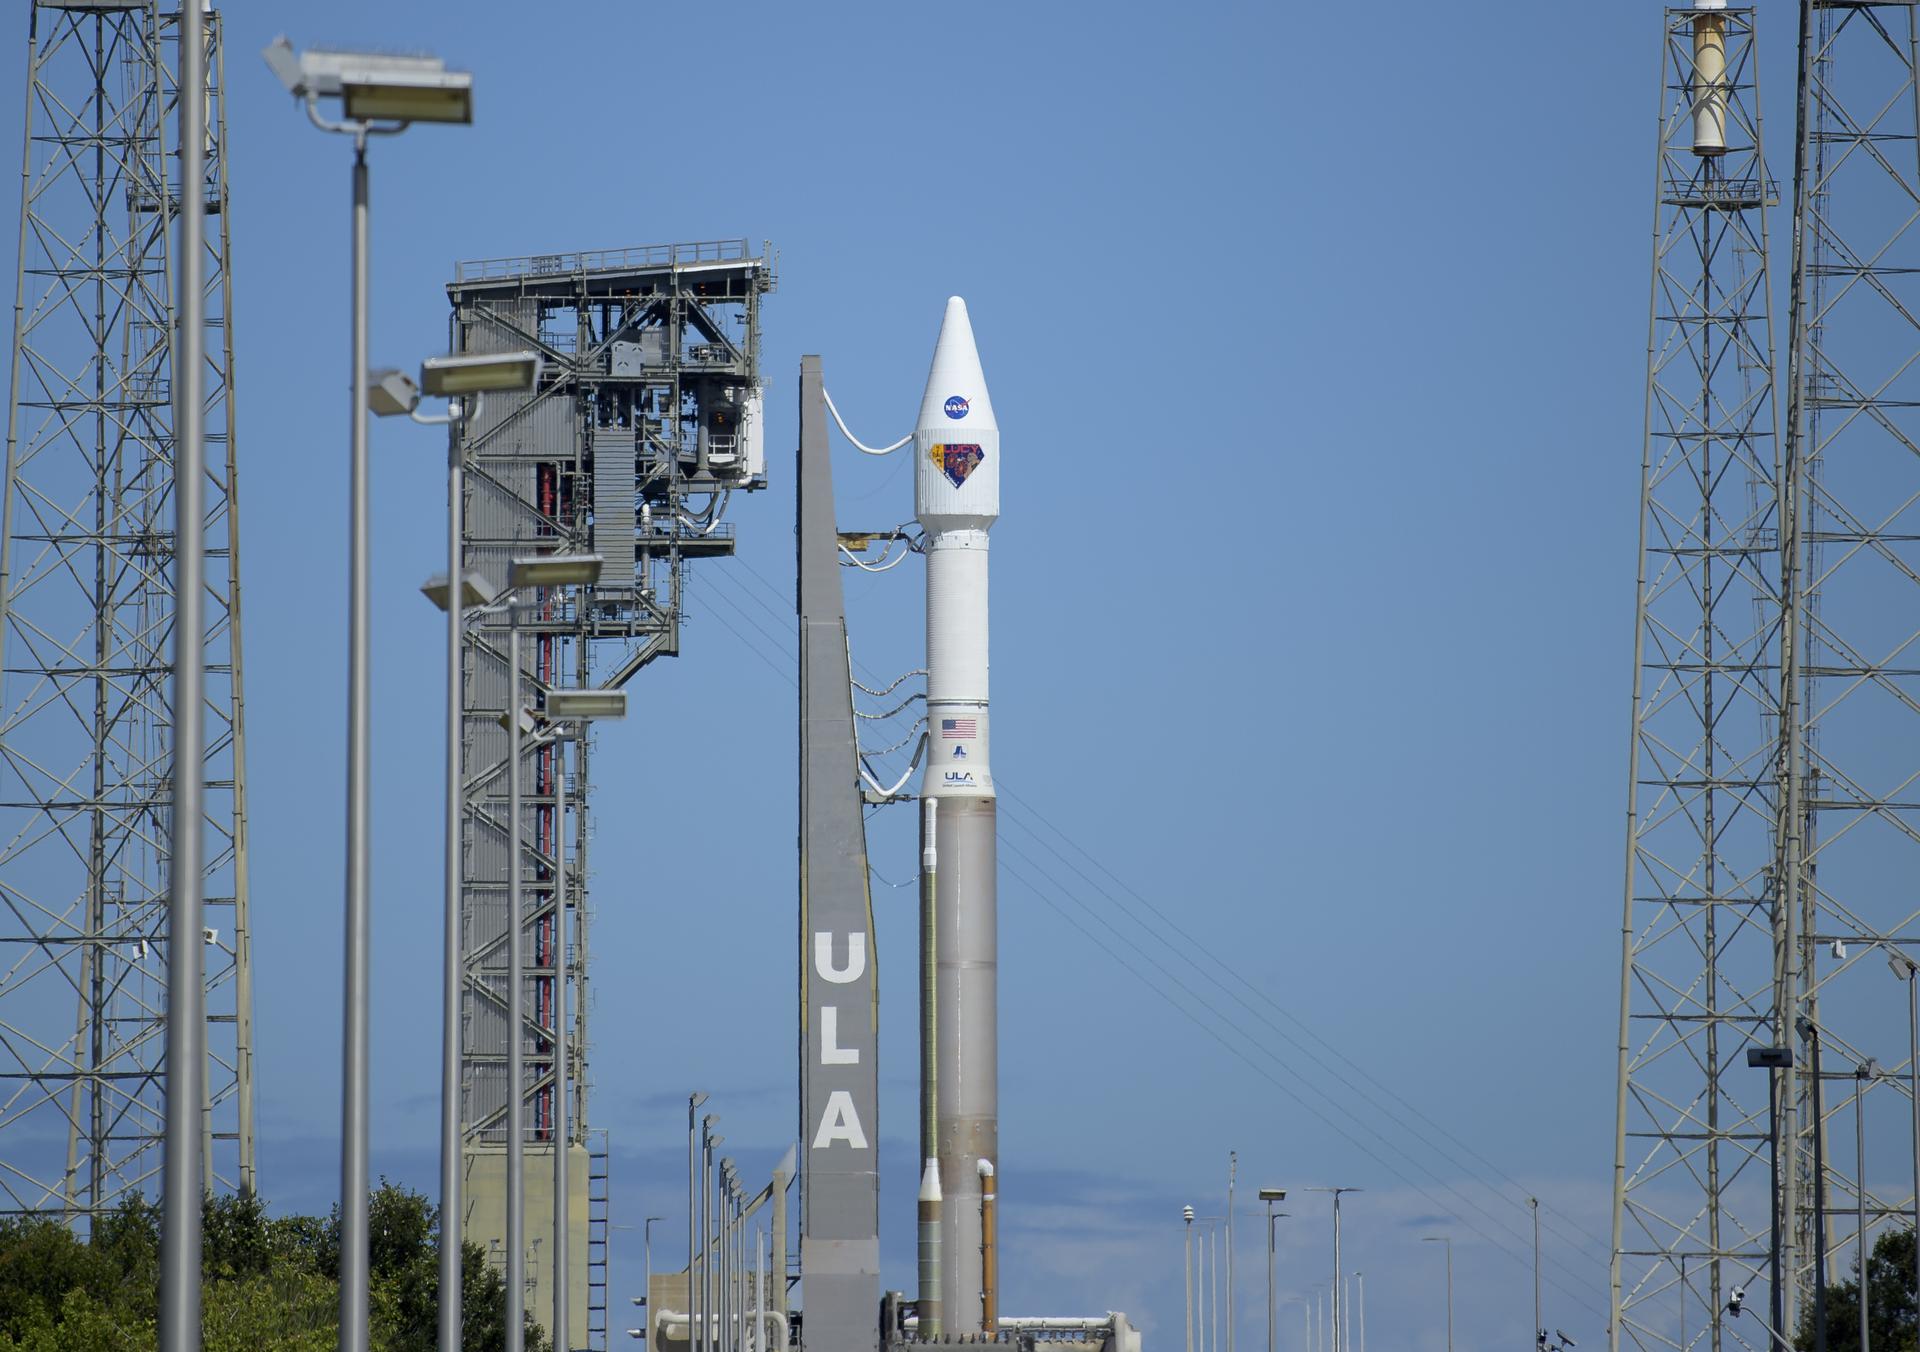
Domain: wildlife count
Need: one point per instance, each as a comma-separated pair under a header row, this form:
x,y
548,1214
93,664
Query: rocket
x,y
956,447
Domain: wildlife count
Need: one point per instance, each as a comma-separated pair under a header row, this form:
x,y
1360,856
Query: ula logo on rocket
x,y
956,406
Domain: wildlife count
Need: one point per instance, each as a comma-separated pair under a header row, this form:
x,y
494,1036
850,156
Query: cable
x,y
1383,1161
858,444
905,676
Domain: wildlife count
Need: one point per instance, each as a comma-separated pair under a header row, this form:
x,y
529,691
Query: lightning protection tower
x,y
1690,1218
86,630
1850,688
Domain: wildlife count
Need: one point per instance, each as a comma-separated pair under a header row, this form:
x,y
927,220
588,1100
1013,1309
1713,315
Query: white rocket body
x,y
956,447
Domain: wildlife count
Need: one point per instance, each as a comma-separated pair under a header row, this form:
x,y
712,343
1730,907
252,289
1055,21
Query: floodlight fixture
x,y
1273,1194
375,86
391,392
475,590
555,570
586,704
1769,1058
479,373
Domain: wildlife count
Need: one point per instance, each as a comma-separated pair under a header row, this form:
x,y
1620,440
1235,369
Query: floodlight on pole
x,y
381,95
476,592
451,376
594,704
375,87
555,570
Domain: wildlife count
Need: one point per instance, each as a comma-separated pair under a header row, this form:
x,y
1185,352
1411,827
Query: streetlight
x,y
1270,1196
1187,1212
1539,1329
580,707
1448,1241
1810,1030
646,1243
1775,1059
1337,1323
551,570
183,1184
379,95
392,392
1907,970
1866,1070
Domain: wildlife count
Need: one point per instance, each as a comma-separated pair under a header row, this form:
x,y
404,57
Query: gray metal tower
x,y
86,627
1850,687
1690,1214
647,420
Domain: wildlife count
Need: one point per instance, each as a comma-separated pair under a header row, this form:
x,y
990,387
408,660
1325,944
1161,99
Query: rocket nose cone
x,y
956,396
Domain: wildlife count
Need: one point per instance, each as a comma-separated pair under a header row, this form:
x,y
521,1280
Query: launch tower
x,y
86,629
646,421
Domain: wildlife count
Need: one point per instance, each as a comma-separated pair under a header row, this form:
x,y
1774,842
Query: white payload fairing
x,y
956,446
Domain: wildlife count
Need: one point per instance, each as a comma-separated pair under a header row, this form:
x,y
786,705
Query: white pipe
x,y
857,443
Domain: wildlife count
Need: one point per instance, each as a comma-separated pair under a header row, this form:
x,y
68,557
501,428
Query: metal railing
x,y
603,260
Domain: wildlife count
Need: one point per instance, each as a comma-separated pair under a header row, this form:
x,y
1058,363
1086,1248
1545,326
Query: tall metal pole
x,y
1188,1213
1539,1329
1213,1270
450,956
1810,1030
1449,1295
1360,1283
1270,1311
693,1205
1233,1314
186,993
1860,1077
1338,1322
1913,1084
354,1088
562,1333
516,1029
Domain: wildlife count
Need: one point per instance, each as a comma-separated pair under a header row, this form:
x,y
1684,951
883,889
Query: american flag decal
x,y
955,728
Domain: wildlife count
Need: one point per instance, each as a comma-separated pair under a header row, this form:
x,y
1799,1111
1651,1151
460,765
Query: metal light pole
x,y
1862,1073
1187,1212
1233,1312
646,1243
186,997
1270,1196
1360,1282
1776,1059
1338,1323
693,1200
391,392
1448,1241
1907,970
379,95
1539,1329
1213,1270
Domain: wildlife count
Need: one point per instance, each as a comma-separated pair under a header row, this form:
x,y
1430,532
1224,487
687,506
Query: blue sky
x,y
1317,338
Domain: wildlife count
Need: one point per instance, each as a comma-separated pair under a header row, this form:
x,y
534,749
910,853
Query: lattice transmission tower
x,y
86,629
1850,796
1690,1212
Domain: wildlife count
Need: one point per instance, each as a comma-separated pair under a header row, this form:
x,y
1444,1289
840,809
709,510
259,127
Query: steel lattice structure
x,y
1849,835
647,419
1690,1199
86,630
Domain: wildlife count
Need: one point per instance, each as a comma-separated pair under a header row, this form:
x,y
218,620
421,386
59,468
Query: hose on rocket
x,y
857,443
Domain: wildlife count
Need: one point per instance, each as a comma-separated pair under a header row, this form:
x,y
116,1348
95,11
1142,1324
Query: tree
x,y
1890,1302
269,1284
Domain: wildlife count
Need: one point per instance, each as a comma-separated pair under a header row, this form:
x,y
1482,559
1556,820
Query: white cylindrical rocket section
x,y
956,446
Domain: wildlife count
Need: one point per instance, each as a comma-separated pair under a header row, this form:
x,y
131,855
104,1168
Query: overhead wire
x,y
1036,841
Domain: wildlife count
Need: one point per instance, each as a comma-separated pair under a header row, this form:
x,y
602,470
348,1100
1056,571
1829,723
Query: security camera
x,y
1736,1300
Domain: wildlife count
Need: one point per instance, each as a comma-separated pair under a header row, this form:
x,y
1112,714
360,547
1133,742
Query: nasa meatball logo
x,y
956,407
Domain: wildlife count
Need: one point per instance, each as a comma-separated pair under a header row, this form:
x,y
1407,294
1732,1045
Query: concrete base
x,y
484,1194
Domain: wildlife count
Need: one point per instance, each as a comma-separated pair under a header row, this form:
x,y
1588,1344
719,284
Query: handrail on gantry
x,y
603,260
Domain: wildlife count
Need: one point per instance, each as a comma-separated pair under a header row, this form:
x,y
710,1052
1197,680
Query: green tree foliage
x,y
1890,1302
271,1284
